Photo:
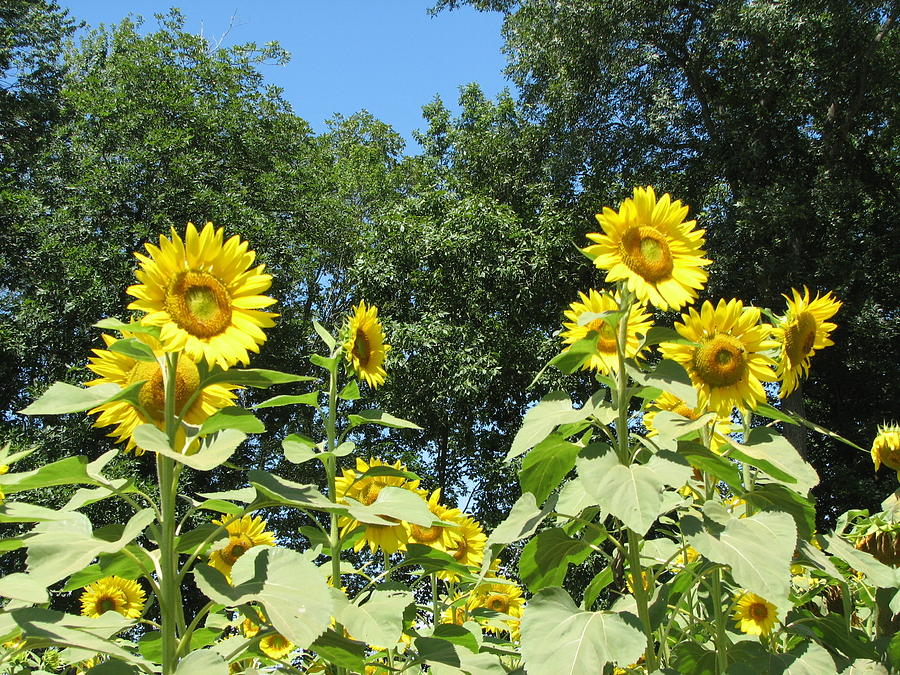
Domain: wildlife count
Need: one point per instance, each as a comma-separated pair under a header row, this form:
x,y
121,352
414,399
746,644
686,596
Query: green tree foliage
x,y
778,123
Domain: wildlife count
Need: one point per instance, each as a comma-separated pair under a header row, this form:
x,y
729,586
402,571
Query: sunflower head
x,y
604,358
243,533
502,596
116,594
802,331
468,548
754,615
437,536
886,447
671,403
203,293
726,361
364,345
648,245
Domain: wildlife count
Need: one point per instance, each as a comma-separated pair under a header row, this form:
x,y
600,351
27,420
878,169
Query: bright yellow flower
x,y
113,594
502,596
754,615
123,370
204,295
886,447
364,347
469,548
649,245
800,332
437,536
726,363
671,403
273,645
604,359
243,533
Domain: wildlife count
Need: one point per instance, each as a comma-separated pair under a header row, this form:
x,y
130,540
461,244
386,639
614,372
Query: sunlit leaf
x,y
232,417
381,418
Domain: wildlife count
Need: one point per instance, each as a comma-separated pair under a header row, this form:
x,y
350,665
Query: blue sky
x,y
386,56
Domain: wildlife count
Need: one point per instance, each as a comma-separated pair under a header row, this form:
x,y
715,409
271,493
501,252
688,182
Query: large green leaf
x,y
750,658
133,348
720,468
254,377
392,503
299,448
667,376
547,556
62,398
68,471
877,573
287,493
381,418
377,617
777,497
310,398
440,654
770,452
202,662
633,493
232,417
291,589
523,520
431,560
546,465
339,650
214,450
558,638
758,549
552,411
24,587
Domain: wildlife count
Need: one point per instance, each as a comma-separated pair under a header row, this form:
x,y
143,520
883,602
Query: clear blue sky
x,y
386,56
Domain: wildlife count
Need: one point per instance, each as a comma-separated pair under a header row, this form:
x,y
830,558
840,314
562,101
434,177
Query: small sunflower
x,y
437,536
800,332
671,403
468,549
243,533
604,359
123,370
502,596
113,594
649,245
726,363
204,295
754,615
886,447
273,645
364,346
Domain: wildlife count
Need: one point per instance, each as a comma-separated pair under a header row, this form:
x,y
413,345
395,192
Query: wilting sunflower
x,y
437,536
886,447
649,245
364,346
113,594
273,645
800,332
502,596
123,370
204,295
468,549
668,402
604,359
754,615
726,364
243,533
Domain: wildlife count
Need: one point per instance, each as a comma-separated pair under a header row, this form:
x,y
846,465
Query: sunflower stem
x,y
720,638
749,478
330,463
435,607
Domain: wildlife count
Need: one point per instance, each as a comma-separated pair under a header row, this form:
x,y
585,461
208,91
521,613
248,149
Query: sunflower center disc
x,y
498,603
153,394
758,612
361,348
236,548
461,550
425,535
606,336
199,303
646,252
370,494
106,604
720,361
800,337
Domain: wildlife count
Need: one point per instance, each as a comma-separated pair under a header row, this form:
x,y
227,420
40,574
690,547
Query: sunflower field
x,y
673,479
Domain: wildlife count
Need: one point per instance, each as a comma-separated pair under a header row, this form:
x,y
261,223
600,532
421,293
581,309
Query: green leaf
x,y
377,617
299,448
600,581
659,334
457,635
68,471
62,398
437,652
765,410
232,417
288,493
431,560
340,651
672,425
84,496
668,376
523,520
634,493
553,410
323,333
310,398
202,662
131,327
392,503
832,632
118,564
133,348
329,364
350,392
291,589
877,573
382,418
23,587
750,658
720,468
547,556
558,637
758,549
253,377
772,453
546,465
214,451
574,356
776,497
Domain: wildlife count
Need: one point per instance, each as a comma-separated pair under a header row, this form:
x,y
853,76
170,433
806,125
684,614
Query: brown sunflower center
x,y
153,394
498,603
720,361
370,493
461,549
425,535
758,612
799,337
108,603
645,250
361,348
199,303
606,336
236,547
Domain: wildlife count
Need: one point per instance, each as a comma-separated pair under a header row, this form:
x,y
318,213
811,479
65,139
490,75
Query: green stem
x,y
435,607
334,537
640,596
721,640
186,638
749,477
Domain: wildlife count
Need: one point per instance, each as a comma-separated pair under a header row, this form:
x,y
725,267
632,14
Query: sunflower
x,y
604,359
754,615
468,549
671,403
364,346
649,245
502,596
204,296
437,536
113,593
243,533
886,447
273,645
726,363
800,332
123,370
